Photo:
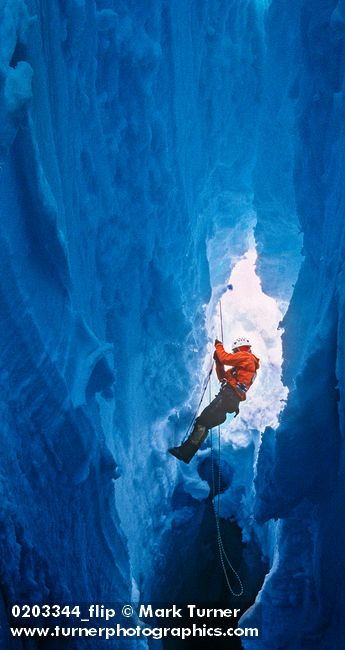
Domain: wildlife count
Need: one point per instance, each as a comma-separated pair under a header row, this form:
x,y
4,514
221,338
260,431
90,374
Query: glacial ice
x,y
144,149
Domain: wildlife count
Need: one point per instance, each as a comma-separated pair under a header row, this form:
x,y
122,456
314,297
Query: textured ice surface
x,y
123,152
300,472
141,144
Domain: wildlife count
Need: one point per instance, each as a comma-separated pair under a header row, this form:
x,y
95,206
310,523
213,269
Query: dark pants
x,y
227,401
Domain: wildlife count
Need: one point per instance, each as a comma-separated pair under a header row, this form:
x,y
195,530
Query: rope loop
x,y
222,553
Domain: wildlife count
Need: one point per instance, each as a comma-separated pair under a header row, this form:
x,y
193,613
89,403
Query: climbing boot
x,y
188,449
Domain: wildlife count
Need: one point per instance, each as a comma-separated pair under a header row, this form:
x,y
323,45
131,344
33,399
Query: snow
x,y
248,311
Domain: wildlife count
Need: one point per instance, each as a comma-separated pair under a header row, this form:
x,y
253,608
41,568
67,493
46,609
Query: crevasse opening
x,y
246,309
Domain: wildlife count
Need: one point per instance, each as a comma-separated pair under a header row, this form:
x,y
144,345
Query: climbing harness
x,y
239,388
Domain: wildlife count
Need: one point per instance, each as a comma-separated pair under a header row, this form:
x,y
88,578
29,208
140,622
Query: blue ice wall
x,y
276,232
140,145
300,472
128,136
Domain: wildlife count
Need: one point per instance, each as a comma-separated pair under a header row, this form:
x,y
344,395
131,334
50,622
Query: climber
x,y
235,383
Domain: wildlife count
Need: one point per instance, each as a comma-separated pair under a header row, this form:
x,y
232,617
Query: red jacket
x,y
245,365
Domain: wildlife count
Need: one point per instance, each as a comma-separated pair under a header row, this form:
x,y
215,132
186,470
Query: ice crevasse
x,y
142,147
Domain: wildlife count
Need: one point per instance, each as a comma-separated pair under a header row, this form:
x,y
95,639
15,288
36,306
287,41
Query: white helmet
x,y
241,340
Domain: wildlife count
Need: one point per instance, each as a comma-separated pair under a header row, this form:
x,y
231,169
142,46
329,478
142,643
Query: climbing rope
x,y
207,382
221,320
222,553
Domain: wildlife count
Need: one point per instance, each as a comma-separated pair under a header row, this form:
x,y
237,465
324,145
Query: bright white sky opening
x,y
248,311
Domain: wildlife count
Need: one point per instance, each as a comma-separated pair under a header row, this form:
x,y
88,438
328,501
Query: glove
x,y
217,341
